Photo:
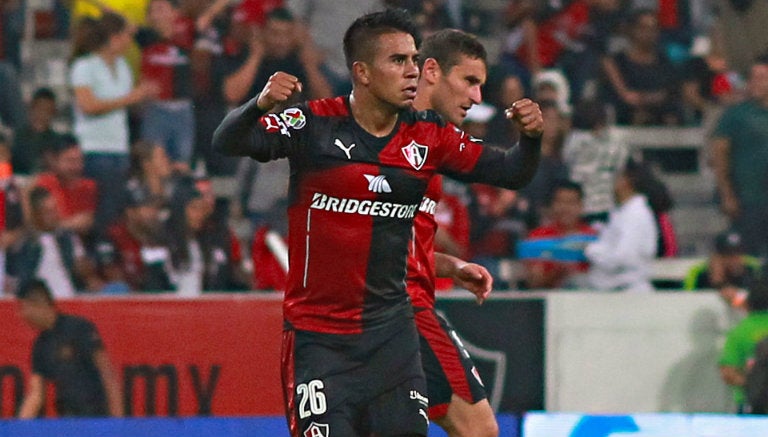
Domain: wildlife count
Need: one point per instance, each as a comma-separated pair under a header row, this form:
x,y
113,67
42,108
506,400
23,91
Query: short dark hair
x,y
63,143
36,197
448,45
34,288
564,184
280,14
44,93
361,35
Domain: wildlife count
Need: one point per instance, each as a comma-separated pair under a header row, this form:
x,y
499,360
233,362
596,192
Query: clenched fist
x,y
279,88
526,114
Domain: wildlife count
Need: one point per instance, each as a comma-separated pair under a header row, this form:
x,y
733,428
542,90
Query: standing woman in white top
x,y
103,89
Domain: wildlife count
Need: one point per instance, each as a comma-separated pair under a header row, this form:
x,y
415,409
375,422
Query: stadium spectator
x,y
740,162
739,350
205,254
552,168
641,82
11,213
503,92
262,190
282,45
563,221
103,89
168,119
430,15
708,85
151,169
727,266
34,140
12,110
135,247
49,251
739,32
520,43
75,195
594,155
657,193
620,259
12,19
580,58
69,353
327,20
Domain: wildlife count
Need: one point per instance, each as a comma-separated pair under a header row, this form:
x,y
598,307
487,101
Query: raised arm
x,y
512,168
244,133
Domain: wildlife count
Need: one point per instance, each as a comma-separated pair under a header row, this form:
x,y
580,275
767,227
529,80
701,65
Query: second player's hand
x,y
279,88
526,114
476,279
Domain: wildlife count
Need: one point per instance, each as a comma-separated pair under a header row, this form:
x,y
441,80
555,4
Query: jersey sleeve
x,y
248,131
466,159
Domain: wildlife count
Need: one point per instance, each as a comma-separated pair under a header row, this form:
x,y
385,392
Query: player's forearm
x,y
30,407
235,135
511,169
446,265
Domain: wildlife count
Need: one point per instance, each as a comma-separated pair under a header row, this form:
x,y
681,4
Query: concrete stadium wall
x,y
630,353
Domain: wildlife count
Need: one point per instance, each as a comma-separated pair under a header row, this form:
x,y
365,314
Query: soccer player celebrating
x,y
453,68
360,166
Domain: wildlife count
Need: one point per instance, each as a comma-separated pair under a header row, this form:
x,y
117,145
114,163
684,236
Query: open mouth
x,y
410,91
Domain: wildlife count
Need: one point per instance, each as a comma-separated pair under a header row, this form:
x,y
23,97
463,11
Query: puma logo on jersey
x,y
344,148
378,184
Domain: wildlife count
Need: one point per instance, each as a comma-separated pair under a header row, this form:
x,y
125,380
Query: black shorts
x,y
350,385
447,364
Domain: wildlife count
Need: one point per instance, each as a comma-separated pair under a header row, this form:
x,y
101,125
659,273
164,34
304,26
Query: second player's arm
x,y
470,276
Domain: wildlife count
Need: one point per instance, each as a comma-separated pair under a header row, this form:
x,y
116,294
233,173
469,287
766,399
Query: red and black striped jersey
x,y
353,197
420,281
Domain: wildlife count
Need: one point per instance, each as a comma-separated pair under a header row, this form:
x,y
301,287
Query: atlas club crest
x,y
415,154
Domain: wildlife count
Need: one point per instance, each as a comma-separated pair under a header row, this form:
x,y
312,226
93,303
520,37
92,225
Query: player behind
x,y
453,69
359,169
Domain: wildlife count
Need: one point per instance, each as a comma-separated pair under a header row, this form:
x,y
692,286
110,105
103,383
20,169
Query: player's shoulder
x,y
428,116
330,107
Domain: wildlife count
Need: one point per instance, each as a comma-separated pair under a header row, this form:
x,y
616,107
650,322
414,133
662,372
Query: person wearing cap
x,y
728,267
738,354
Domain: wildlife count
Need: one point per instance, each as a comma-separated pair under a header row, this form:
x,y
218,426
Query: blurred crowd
x,y
111,191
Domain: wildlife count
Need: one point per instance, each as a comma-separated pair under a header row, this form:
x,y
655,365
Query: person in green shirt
x,y
739,350
740,161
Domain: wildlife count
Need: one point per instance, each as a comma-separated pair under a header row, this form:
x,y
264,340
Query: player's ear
x,y
431,70
361,73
